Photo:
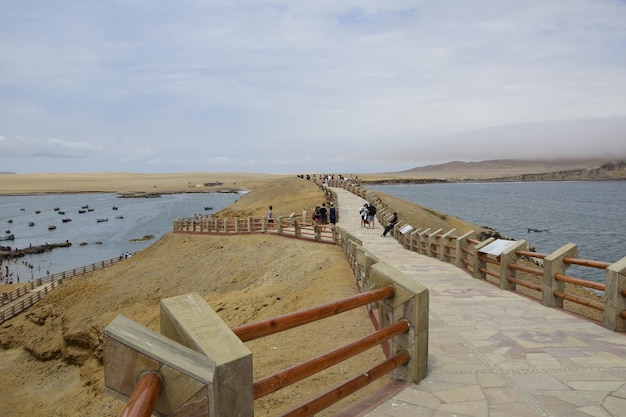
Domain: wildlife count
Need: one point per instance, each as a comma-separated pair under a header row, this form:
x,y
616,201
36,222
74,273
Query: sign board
x,y
406,229
496,247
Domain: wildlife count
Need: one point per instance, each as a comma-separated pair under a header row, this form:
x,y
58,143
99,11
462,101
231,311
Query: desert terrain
x,y
51,355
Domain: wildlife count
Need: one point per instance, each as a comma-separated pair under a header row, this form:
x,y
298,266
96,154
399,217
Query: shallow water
x,y
104,240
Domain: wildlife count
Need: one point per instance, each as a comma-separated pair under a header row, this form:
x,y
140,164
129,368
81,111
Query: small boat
x,y
10,221
82,211
86,206
8,232
7,237
208,208
22,209
537,230
119,217
61,212
114,208
56,209
89,209
37,211
66,220
52,227
31,223
102,220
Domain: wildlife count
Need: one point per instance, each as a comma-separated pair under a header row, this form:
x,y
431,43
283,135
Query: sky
x,y
156,86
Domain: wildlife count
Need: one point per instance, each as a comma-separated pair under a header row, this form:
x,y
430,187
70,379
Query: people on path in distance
x,y
371,214
363,213
332,213
390,224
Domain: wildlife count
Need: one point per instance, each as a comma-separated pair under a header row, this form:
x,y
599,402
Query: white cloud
x,y
325,83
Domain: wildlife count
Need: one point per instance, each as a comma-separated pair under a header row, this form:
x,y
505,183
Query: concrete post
x,y
433,243
553,264
190,321
507,257
421,239
411,303
615,299
446,243
478,263
279,224
462,243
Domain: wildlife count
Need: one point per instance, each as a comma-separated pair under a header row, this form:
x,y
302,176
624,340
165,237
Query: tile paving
x,y
495,353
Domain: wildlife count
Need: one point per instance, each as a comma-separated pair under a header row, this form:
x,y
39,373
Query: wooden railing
x,y
14,302
188,322
542,276
299,226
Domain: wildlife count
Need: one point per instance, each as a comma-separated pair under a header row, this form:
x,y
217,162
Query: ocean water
x,y
92,241
591,214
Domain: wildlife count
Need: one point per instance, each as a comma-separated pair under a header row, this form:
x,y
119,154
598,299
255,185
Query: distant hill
x,y
509,170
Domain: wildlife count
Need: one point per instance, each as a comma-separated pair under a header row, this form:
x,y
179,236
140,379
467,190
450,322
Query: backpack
x,y
372,210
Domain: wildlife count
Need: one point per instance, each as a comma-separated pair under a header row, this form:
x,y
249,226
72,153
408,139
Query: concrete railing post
x,y
462,243
446,244
553,264
411,303
478,263
422,240
507,257
433,243
615,301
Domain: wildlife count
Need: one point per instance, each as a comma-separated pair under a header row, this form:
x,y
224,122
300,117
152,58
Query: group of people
x,y
323,215
368,214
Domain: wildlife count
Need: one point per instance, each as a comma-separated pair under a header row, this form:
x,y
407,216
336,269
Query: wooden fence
x,y
14,302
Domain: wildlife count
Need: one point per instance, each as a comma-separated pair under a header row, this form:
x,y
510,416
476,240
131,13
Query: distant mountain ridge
x,y
510,170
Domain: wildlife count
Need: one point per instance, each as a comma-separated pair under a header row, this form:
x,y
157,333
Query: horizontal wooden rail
x,y
489,260
526,284
531,254
144,396
488,272
533,271
298,372
278,324
581,282
586,262
340,392
579,300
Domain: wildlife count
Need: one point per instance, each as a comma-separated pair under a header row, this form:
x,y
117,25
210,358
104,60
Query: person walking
x,y
371,215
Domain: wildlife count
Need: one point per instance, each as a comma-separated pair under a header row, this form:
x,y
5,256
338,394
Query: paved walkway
x,y
494,353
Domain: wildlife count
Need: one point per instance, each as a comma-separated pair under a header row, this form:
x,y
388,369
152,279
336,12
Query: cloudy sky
x,y
296,87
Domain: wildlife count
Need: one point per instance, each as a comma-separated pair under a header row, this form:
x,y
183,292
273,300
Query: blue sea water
x,y
104,240
591,214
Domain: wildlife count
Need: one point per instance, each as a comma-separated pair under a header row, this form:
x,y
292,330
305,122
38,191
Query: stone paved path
x,y
494,353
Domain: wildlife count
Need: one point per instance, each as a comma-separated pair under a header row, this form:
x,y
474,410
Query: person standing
x,y
371,214
323,214
270,215
332,213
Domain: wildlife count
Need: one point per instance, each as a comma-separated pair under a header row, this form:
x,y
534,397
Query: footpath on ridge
x,y
496,353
